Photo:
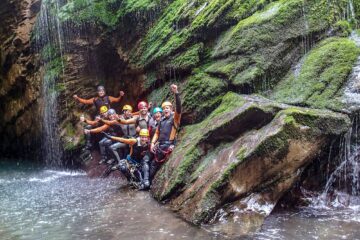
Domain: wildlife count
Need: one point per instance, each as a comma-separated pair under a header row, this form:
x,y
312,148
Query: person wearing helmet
x,y
139,154
104,143
101,100
93,124
129,131
142,120
155,120
163,140
90,124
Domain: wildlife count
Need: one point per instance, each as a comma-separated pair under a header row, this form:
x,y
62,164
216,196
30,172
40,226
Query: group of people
x,y
136,143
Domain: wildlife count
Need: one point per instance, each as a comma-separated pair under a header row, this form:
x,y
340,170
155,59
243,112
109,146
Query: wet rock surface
x,y
257,151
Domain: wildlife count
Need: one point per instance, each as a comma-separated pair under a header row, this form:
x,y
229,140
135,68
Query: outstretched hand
x,y
174,88
76,97
122,93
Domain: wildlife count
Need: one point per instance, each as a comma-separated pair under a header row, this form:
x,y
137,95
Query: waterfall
x,y
352,90
343,184
48,42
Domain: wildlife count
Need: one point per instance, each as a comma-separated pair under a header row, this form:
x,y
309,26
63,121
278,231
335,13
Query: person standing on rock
x,y
101,100
139,155
163,142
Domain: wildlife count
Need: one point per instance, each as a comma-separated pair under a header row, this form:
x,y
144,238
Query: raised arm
x,y
118,99
177,115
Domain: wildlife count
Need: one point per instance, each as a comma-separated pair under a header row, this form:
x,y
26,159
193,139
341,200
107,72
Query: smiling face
x,y
112,117
101,93
157,116
167,111
127,114
143,110
144,140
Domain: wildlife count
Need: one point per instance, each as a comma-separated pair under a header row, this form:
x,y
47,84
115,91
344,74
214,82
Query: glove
x,y
108,136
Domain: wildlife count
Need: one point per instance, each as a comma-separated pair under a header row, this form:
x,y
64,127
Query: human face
x,y
167,111
104,115
157,116
144,140
127,113
101,93
143,110
112,117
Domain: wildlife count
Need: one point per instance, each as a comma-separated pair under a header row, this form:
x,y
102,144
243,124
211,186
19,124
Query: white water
x,y
352,90
49,35
48,204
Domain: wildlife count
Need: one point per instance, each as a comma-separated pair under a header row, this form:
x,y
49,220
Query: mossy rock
x,y
322,77
247,144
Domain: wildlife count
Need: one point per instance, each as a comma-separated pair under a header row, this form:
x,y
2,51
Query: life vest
x,y
144,123
99,102
139,151
129,130
166,125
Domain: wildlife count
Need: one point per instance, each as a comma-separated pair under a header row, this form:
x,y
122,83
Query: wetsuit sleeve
x,y
129,141
177,114
86,101
156,136
92,123
108,122
100,129
127,121
114,99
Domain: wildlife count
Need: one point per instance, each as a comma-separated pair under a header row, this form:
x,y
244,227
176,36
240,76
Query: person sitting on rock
x,y
105,142
93,124
101,100
129,131
162,144
139,155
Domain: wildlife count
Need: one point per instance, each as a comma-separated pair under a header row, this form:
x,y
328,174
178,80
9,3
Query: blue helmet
x,y
111,111
157,109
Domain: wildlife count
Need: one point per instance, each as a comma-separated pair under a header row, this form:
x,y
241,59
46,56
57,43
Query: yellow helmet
x,y
144,133
127,107
166,103
103,109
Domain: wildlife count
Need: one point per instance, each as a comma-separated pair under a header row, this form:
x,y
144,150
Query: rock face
x,y
19,78
247,153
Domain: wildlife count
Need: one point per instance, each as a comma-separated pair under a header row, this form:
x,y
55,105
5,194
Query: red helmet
x,y
141,105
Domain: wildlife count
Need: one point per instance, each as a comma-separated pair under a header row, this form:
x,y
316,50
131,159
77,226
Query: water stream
x,y
48,204
41,203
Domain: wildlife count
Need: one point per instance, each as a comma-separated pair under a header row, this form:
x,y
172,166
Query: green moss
x,y
203,93
105,12
70,132
343,28
188,59
150,79
323,74
182,21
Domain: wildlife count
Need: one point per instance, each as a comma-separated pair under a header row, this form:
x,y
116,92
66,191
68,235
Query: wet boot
x,y
124,169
